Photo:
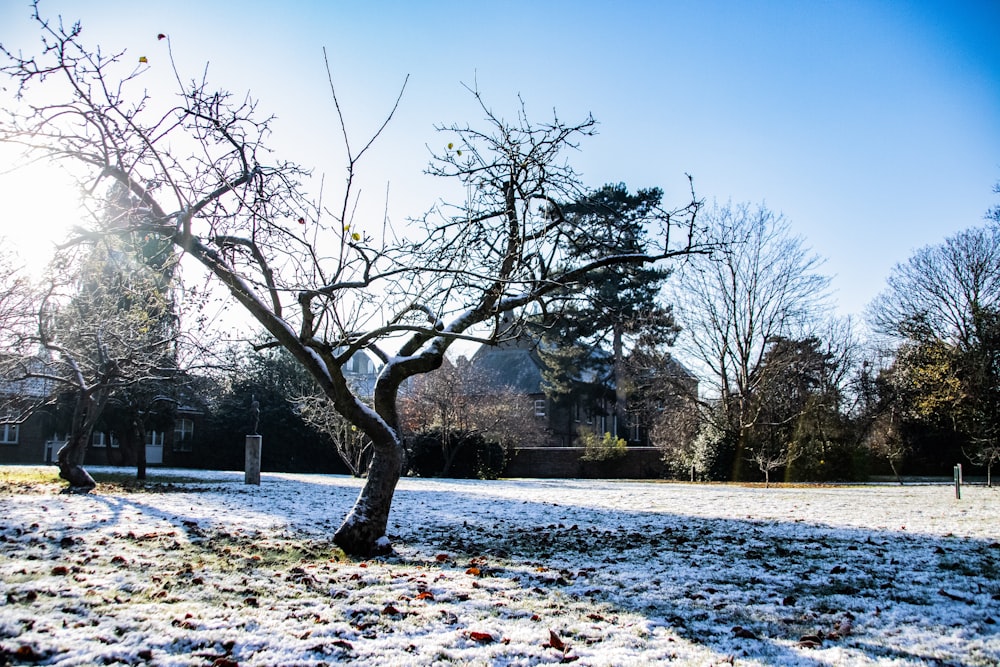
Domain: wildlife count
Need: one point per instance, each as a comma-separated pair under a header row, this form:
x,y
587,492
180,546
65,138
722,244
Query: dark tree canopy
x,y
589,333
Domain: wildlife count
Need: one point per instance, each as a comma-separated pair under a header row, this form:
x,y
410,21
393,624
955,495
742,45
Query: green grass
x,y
126,481
45,479
28,479
28,474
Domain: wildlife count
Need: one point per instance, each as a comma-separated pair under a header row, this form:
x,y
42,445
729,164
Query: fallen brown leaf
x,y
555,641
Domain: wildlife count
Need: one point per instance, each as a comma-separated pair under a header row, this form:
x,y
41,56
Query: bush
x,y
424,455
601,448
475,457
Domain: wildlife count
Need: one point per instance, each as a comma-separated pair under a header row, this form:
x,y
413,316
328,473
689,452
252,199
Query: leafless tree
x,y
16,301
985,454
771,455
101,326
941,289
885,440
761,283
942,306
322,284
461,400
17,315
353,446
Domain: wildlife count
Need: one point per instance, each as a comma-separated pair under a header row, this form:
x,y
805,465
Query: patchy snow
x,y
521,572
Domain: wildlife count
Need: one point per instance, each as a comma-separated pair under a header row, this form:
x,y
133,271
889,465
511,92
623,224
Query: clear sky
x,y
873,126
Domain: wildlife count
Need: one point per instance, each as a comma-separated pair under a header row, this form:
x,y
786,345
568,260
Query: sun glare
x,y
40,205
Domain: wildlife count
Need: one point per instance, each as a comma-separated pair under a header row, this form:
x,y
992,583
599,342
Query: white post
x,y
253,448
958,481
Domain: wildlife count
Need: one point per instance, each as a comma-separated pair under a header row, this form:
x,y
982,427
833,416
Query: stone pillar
x,y
253,447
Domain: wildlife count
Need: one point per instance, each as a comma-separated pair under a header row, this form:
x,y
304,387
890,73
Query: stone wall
x,y
564,462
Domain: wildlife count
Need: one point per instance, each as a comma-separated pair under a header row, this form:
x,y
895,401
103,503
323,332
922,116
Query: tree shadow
x,y
775,589
766,590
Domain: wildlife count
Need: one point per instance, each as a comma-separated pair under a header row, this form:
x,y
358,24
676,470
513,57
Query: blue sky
x,y
874,127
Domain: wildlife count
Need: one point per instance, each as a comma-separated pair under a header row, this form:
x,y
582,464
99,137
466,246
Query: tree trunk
x,y
895,472
617,345
70,456
363,531
448,448
737,473
140,452
450,454
449,460
70,462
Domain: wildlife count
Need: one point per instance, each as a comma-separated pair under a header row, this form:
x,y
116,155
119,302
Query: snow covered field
x,y
209,571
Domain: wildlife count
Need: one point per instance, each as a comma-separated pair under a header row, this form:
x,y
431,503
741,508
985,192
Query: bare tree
x,y
442,400
319,282
16,302
353,446
770,455
760,284
508,418
985,453
941,289
943,308
103,324
18,395
885,440
463,402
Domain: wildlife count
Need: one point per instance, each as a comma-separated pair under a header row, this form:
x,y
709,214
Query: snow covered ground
x,y
524,572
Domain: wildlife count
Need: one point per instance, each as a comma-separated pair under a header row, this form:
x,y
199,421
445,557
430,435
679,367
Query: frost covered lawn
x,y
205,570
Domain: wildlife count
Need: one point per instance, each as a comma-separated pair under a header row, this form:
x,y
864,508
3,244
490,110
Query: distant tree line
x,y
791,393
786,392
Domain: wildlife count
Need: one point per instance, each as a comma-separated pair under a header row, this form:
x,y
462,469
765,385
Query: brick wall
x,y
30,446
564,462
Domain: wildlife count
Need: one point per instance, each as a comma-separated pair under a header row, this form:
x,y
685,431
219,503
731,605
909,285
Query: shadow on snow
x,y
746,588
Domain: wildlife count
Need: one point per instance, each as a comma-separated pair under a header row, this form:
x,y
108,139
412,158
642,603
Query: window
x,y
540,408
102,439
154,438
360,364
183,432
9,433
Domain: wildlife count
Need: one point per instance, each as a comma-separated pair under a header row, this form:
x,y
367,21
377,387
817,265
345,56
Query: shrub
x,y
601,448
474,457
